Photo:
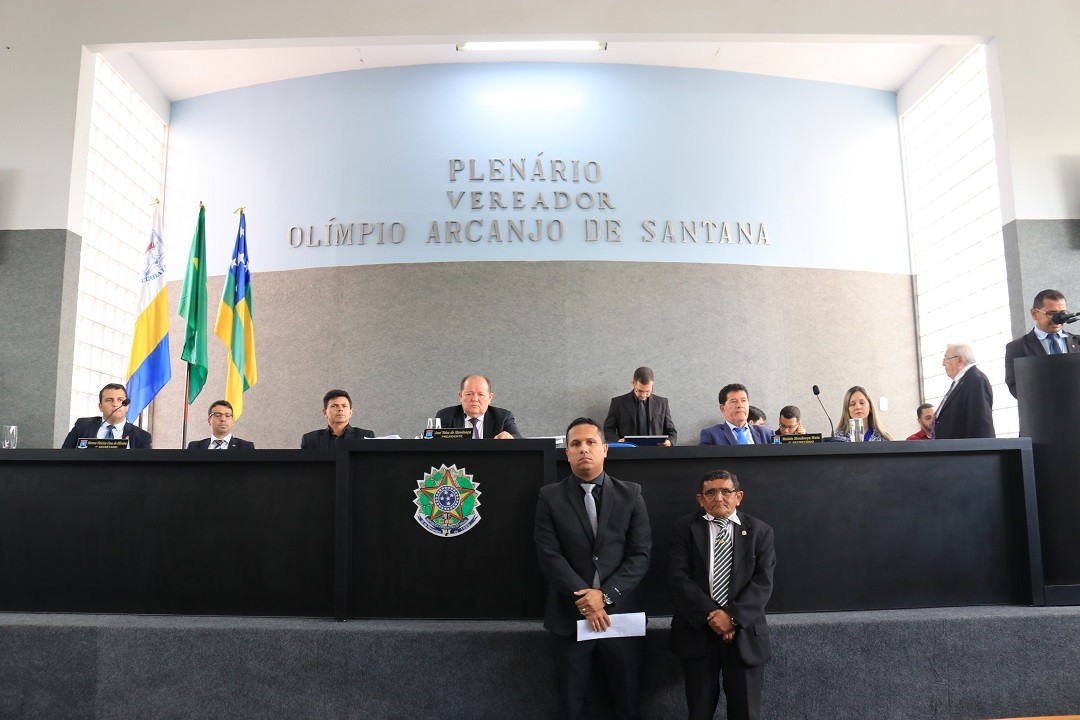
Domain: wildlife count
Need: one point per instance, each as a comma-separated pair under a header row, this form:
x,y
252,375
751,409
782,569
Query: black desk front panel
x,y
400,569
167,531
863,526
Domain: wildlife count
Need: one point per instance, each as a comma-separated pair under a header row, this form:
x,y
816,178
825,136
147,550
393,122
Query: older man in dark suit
x,y
640,412
477,412
967,410
593,542
720,577
1046,338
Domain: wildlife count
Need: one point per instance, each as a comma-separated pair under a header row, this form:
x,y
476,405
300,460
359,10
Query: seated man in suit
x,y
720,577
221,422
477,412
735,430
113,402
967,410
639,412
1046,338
338,409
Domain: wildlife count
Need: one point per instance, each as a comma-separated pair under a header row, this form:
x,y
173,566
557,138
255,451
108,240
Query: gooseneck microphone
x,y
1060,318
105,420
817,394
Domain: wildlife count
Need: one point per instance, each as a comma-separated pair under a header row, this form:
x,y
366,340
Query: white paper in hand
x,y
622,625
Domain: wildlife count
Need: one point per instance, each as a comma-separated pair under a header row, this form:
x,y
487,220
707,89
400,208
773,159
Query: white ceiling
x,y
187,70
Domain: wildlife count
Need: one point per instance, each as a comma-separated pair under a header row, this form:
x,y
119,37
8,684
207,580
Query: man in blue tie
x,y
736,429
113,402
1046,338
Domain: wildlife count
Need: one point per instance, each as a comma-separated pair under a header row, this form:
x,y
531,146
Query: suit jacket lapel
x,y
955,391
740,546
699,528
605,509
1034,344
725,430
576,496
489,427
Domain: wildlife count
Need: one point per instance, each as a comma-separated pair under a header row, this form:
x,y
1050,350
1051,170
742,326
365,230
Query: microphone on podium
x,y
1060,318
817,394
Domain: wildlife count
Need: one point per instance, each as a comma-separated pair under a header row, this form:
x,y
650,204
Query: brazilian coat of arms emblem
x,y
446,501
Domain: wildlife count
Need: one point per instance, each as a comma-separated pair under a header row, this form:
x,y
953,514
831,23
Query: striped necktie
x,y
721,562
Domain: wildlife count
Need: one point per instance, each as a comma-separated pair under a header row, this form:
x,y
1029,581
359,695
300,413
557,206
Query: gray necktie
x,y
475,428
642,421
721,563
590,510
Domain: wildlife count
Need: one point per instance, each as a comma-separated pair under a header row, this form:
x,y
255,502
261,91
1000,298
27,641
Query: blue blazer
x,y
721,435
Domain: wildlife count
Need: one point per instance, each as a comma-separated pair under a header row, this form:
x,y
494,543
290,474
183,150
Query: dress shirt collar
x,y
734,517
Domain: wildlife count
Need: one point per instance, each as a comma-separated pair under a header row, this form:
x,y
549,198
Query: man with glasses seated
x,y
221,422
1046,338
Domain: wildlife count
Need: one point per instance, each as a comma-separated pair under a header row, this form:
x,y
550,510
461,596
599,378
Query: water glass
x,y
10,437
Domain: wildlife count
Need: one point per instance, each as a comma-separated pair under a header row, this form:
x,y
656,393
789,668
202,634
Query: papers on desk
x,y
622,625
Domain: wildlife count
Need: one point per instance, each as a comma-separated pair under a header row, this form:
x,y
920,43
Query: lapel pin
x,y
743,532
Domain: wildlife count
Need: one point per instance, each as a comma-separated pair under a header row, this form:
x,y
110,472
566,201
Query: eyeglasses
x,y
1047,313
726,492
948,358
218,416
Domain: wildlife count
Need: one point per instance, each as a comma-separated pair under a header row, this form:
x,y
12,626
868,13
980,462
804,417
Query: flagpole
x,y
187,386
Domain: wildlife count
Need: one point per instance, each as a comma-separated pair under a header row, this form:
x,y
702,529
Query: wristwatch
x,y
607,600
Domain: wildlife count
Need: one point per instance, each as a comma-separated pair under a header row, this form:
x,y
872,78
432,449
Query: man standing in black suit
x,y
477,412
113,402
337,407
967,410
593,542
720,577
220,420
1047,337
640,412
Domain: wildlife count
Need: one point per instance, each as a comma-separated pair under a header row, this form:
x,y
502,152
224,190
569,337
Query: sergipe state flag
x,y
149,367
236,324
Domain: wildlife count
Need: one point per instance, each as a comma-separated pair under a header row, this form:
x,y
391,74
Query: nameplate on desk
x,y
802,439
102,443
449,434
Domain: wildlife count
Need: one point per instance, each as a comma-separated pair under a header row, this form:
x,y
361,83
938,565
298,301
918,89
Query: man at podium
x,y
1048,337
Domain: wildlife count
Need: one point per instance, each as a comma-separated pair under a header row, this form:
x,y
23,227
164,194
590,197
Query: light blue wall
x,y
818,163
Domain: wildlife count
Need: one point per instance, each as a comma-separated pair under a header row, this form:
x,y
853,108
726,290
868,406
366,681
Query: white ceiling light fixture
x,y
532,45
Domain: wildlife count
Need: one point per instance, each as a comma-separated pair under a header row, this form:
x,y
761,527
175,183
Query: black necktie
x,y
642,421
